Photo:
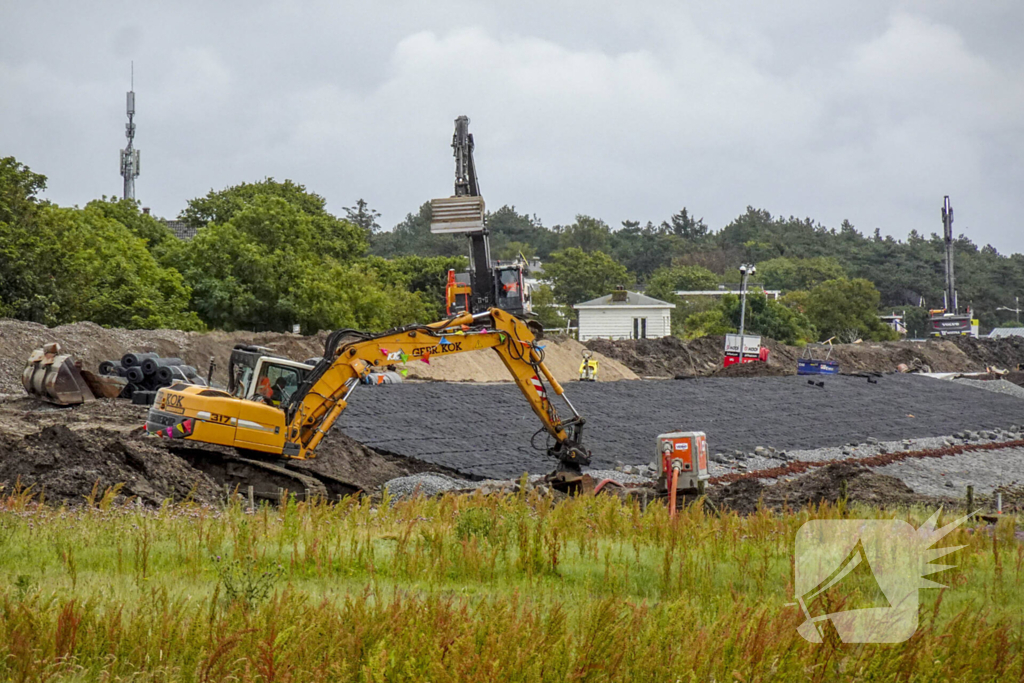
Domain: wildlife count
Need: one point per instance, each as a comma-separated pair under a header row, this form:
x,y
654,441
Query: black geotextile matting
x,y
484,430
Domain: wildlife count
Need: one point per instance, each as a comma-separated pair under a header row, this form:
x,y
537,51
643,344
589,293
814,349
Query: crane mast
x,y
950,319
466,184
947,232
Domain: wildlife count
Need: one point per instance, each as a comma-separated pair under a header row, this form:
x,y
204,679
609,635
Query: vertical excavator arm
x,y
323,397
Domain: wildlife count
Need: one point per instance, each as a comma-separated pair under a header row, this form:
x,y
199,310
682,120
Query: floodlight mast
x,y
130,155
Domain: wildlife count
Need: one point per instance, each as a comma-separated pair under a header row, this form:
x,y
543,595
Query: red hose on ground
x,y
672,493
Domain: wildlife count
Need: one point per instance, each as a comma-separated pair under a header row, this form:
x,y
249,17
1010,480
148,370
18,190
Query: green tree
x,y
69,265
768,318
221,206
705,323
331,235
577,275
665,282
267,268
127,213
687,227
549,312
422,274
848,310
412,237
362,215
18,189
587,233
509,229
798,273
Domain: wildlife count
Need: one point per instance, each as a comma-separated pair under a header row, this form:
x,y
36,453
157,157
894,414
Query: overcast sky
x,y
869,111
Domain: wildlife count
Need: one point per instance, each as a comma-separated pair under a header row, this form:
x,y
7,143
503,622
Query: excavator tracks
x,y
270,480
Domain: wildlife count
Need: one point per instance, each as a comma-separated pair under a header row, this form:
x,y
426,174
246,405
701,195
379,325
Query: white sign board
x,y
751,344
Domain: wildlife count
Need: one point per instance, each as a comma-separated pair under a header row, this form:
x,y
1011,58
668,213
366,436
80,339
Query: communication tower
x,y
130,155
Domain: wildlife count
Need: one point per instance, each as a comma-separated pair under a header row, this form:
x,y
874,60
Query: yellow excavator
x,y
291,425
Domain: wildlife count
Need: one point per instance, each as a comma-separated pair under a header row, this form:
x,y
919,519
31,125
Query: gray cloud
x,y
862,111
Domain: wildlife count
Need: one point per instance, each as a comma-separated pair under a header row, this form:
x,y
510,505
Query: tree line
x,y
835,281
267,255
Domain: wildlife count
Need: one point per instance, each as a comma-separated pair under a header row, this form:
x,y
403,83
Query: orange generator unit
x,y
682,457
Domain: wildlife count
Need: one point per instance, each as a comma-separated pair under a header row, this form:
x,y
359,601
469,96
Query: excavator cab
x,y
509,290
255,374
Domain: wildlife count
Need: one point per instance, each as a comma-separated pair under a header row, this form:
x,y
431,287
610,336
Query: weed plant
x,y
471,588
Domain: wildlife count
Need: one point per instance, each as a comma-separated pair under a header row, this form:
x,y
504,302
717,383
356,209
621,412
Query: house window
x,y
639,328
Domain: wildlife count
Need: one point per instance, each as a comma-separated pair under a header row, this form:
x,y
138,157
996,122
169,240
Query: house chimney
x,y
620,293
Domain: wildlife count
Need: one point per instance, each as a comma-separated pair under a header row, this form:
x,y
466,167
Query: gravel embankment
x,y
951,475
485,430
997,385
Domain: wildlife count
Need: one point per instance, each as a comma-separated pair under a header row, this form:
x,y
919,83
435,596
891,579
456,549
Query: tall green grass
x,y
463,589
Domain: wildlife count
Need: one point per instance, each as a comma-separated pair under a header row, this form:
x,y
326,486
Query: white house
x,y
624,315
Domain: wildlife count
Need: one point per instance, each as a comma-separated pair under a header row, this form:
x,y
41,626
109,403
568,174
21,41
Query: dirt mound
x,y
821,484
65,465
65,451
672,357
1003,352
752,369
665,357
561,355
345,458
92,344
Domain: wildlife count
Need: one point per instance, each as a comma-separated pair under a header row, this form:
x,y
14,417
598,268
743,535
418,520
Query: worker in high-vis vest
x,y
588,368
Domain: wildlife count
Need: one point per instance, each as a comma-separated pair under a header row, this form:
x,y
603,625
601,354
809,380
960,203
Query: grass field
x,y
464,589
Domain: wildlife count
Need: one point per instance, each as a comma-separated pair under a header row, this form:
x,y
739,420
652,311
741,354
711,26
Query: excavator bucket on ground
x,y
54,377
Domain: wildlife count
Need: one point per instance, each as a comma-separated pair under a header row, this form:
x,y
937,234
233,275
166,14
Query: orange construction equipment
x,y
457,294
683,464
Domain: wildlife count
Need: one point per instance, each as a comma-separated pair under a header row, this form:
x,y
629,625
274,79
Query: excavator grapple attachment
x,y
54,377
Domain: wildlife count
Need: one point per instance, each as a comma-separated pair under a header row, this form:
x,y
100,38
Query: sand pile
x,y
561,355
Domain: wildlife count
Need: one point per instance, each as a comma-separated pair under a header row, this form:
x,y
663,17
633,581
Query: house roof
x,y
633,300
1007,332
181,229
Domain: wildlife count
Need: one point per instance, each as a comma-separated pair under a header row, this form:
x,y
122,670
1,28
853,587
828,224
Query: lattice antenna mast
x,y
130,155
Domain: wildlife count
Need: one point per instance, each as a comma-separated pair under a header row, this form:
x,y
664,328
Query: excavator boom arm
x,y
315,410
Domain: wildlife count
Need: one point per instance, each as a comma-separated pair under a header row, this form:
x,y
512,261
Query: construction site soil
x,y
821,485
673,357
64,453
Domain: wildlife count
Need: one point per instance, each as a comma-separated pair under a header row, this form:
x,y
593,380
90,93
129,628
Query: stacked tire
x,y
147,373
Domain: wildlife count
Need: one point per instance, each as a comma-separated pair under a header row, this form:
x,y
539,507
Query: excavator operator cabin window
x,y
242,379
277,383
509,288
